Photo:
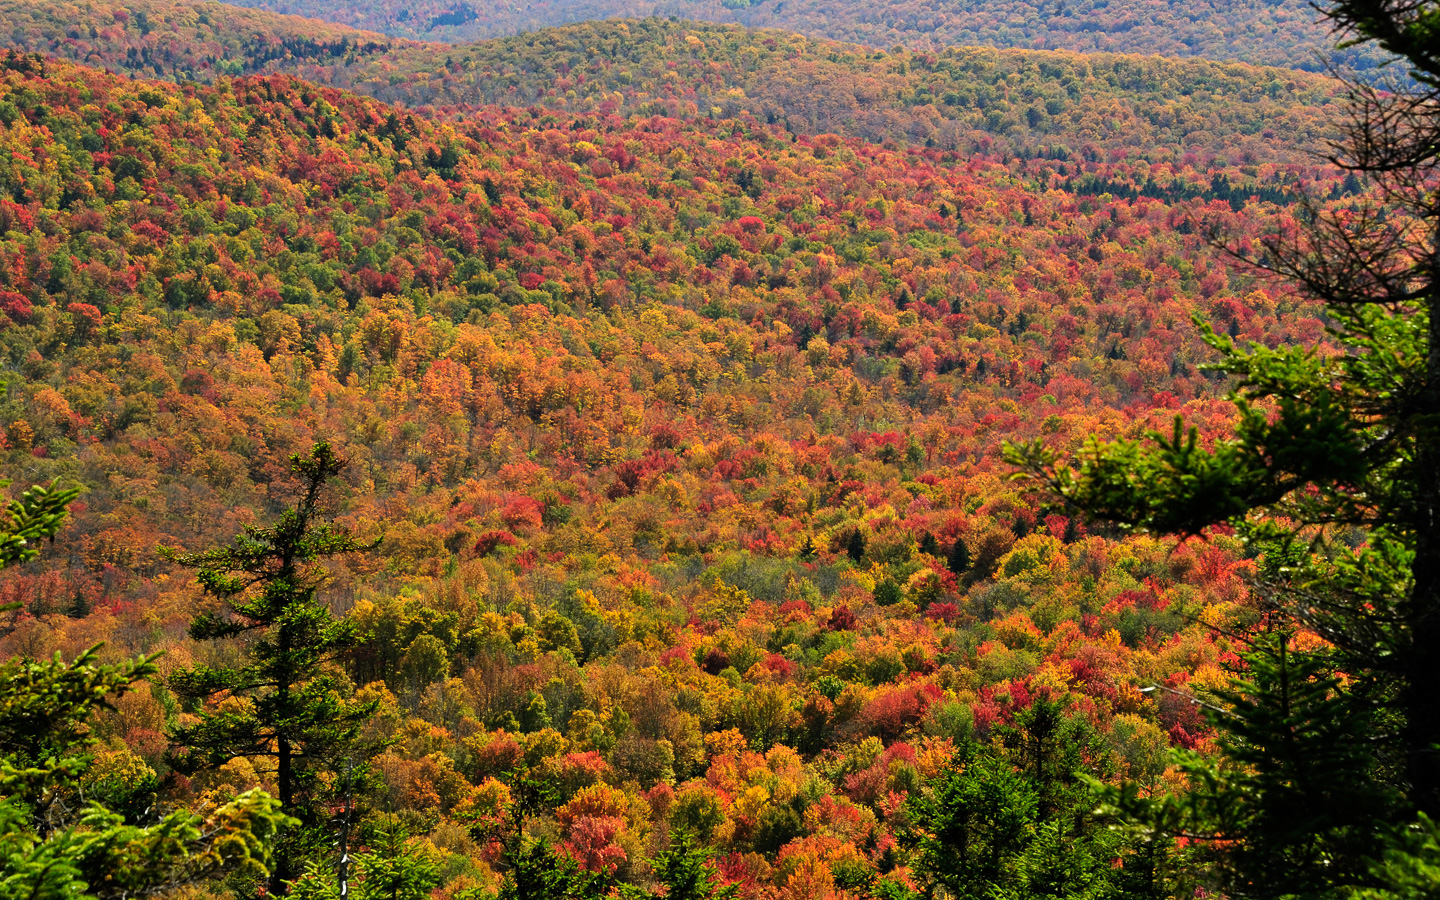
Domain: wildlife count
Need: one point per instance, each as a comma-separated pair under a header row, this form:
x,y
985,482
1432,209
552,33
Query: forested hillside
x,y
679,437
1287,33
180,40
1014,102
645,458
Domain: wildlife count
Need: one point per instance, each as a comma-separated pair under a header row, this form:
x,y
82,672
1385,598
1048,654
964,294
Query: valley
x,y
667,381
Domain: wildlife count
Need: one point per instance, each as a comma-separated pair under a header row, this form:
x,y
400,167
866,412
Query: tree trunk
x,y
281,871
284,776
1422,689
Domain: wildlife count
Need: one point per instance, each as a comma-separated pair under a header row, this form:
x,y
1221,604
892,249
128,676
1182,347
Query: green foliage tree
x,y
389,869
99,856
686,870
855,546
958,560
929,545
295,713
56,846
1408,30
1329,775
39,514
45,709
1014,819
971,823
1297,775
53,844
534,869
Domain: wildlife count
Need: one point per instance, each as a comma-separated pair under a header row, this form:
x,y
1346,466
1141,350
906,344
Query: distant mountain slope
x,y
1284,33
1024,103
1017,102
633,407
679,336
187,40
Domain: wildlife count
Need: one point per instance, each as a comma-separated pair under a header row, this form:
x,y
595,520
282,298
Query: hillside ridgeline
x,y
1028,103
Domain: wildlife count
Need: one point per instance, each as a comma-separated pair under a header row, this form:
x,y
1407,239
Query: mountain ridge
x,y
976,100
1286,33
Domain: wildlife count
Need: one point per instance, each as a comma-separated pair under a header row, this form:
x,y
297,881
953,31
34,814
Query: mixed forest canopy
x,y
575,465
1026,103
1289,33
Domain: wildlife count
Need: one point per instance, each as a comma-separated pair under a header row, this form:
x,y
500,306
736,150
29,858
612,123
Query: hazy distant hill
x,y
1284,33
1018,102
185,40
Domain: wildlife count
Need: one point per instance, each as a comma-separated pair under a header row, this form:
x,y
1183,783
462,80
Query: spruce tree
x,y
294,714
53,844
1015,818
929,546
535,870
687,872
56,846
389,868
1328,779
38,515
958,560
855,546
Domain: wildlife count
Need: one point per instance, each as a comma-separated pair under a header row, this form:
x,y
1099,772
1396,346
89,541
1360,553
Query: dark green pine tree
x,y
535,870
1301,742
959,559
1016,818
807,549
390,868
929,546
970,826
57,842
1328,780
296,715
37,516
687,871
1300,800
855,546
538,872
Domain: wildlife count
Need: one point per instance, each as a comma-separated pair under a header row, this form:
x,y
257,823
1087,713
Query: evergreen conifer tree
x,y
1015,818
1328,782
389,868
54,845
38,514
855,546
294,712
687,872
929,545
535,870
958,561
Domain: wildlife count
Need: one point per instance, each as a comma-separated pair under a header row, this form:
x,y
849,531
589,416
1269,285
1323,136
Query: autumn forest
x,y
654,458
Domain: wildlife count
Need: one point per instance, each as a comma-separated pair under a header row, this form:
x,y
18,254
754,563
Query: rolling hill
x,y
1285,33
651,378
672,364
1019,103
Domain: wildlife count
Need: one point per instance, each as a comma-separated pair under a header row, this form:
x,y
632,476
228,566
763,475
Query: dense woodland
x,y
644,503
1289,33
1018,103
625,417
